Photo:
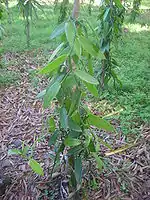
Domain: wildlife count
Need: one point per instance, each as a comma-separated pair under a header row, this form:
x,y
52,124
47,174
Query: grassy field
x,y
132,101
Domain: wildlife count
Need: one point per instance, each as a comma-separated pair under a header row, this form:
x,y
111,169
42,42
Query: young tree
x,y
27,9
71,77
8,11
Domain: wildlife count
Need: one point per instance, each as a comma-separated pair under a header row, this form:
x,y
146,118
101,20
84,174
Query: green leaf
x,y
72,142
118,3
75,101
41,94
36,167
91,146
53,138
74,134
73,126
76,117
98,161
56,51
70,32
90,67
92,89
106,14
100,123
59,30
87,46
77,47
53,65
63,118
14,152
52,125
75,150
86,77
51,93
78,169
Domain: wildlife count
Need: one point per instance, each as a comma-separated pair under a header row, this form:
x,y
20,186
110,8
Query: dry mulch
x,y
22,118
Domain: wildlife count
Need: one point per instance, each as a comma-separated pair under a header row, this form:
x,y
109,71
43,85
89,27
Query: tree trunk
x,y
76,9
8,11
28,31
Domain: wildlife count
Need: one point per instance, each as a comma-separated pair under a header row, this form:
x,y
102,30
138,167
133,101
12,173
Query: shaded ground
x,y
126,175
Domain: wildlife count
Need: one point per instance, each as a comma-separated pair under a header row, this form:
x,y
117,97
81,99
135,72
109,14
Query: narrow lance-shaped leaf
x,y
76,96
52,125
78,169
63,118
89,47
100,123
98,161
36,167
92,89
56,51
91,146
14,152
53,65
51,93
77,47
118,3
53,138
74,126
58,31
86,77
71,142
70,32
90,67
41,94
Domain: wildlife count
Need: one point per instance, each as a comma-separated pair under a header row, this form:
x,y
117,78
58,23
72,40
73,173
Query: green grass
x,y
14,39
8,77
133,54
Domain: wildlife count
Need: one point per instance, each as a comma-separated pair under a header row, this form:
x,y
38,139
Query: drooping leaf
x,y
77,47
75,100
74,134
76,117
98,161
90,67
41,94
87,46
70,32
100,123
56,51
75,150
78,169
63,118
91,146
36,167
53,138
72,142
86,77
53,65
52,125
106,13
59,30
51,93
73,125
92,89
118,3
